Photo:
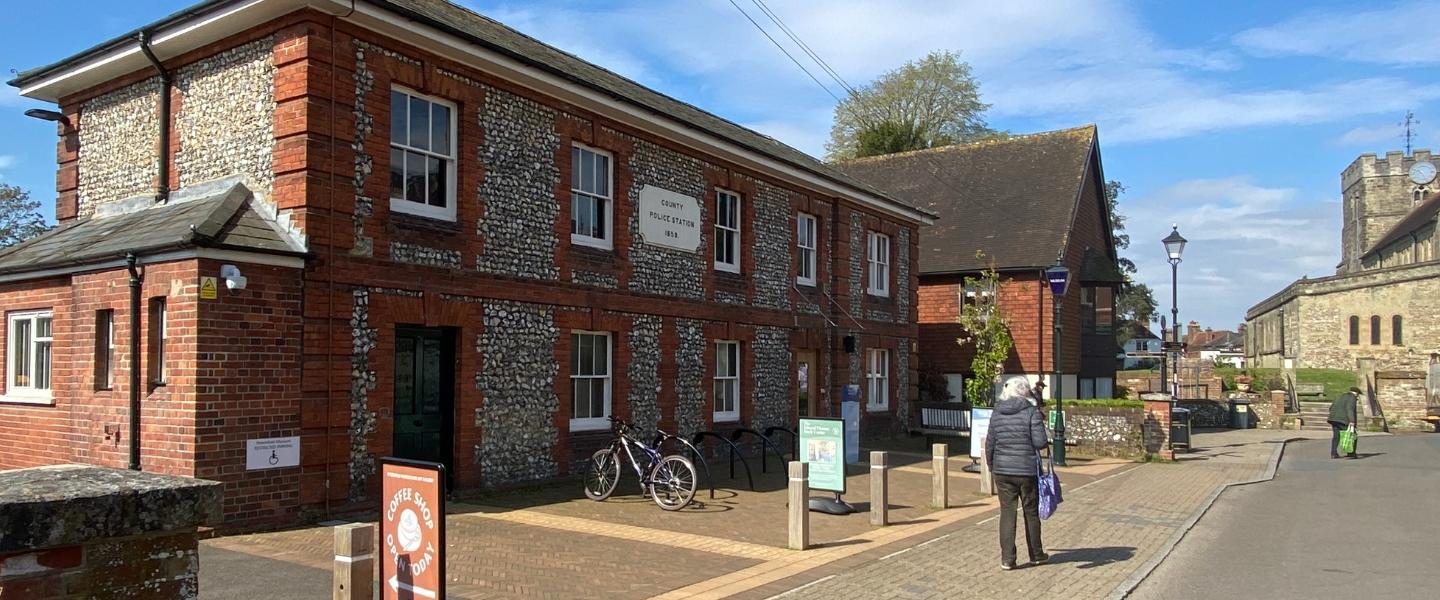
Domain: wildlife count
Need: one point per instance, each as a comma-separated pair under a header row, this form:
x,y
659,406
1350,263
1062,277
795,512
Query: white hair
x,y
1017,387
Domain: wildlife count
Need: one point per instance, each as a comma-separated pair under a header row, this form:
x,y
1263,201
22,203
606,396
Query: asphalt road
x,y
1323,528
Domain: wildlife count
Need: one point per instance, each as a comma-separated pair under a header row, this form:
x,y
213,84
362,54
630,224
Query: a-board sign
x,y
412,529
272,453
979,428
822,446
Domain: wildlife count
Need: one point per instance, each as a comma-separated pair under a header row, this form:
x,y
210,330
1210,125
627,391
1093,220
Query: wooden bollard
x,y
879,488
799,505
987,479
940,468
354,577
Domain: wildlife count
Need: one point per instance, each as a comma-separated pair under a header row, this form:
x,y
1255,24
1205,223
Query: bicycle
x,y
668,480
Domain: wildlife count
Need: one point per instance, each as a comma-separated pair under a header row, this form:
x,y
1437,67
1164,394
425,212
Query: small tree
x,y
20,217
986,329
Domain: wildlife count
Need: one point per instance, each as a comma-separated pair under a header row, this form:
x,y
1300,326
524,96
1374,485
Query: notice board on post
x,y
822,446
979,429
412,529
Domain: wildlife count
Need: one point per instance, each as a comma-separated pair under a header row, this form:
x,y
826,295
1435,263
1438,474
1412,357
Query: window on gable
x,y
422,155
727,381
805,236
589,380
1397,337
879,257
30,345
104,349
591,204
727,231
1354,331
1375,330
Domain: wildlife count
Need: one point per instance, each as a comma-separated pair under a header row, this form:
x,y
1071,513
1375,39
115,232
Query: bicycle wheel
x,y
602,474
672,482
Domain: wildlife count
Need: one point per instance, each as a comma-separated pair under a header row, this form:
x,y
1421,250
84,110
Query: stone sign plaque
x,y
669,219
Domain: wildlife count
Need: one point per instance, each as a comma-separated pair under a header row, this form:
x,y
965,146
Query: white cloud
x,y
1396,35
7,161
1385,135
1246,242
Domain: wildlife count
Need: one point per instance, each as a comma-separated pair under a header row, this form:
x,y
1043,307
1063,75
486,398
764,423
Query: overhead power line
x,y
782,49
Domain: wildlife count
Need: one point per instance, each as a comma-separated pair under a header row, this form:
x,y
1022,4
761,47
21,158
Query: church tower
x,y
1377,194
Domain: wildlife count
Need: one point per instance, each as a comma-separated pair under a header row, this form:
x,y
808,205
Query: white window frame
x,y
731,381
879,258
602,421
607,242
731,231
401,205
805,246
28,394
877,379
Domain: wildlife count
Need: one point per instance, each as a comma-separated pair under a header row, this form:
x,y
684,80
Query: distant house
x,y
1228,348
1141,340
1024,202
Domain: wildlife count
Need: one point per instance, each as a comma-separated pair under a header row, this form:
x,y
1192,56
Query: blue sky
x,y
1231,118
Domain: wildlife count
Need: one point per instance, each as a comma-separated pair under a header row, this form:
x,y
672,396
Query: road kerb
x,y
1148,567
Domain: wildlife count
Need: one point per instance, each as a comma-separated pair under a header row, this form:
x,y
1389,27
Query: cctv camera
x,y
234,281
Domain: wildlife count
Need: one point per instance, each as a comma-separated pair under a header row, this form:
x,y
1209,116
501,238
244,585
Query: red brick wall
x,y
74,428
248,362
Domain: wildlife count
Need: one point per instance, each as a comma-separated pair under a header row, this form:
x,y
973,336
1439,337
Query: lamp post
x,y
1174,247
1059,279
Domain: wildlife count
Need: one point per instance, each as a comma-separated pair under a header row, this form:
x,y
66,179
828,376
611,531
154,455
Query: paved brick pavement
x,y
547,543
1102,534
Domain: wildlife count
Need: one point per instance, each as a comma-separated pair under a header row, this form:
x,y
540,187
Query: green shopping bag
x,y
1347,442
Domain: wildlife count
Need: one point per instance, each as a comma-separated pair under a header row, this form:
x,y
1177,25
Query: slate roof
x,y
1228,340
496,36
1015,197
1424,213
215,215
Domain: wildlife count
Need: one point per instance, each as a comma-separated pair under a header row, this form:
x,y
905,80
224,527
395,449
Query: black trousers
x,y
1335,428
1026,491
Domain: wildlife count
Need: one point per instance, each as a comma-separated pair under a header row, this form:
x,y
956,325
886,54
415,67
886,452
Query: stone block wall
x,y
1207,413
75,532
1402,398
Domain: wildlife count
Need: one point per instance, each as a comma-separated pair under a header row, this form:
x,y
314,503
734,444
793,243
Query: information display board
x,y
412,529
979,428
822,446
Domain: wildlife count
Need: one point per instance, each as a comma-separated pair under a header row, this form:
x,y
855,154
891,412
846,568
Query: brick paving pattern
x,y
1101,534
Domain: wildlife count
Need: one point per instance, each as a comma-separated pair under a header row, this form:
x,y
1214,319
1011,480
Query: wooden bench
x,y
944,419
1310,389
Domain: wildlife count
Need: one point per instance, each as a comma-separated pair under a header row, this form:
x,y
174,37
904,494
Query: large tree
x,y
1135,303
931,102
20,217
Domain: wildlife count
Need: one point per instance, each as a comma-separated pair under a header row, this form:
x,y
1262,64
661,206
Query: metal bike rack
x,y
662,437
734,452
794,437
764,464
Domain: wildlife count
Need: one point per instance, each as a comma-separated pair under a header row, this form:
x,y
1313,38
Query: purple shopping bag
x,y
1049,484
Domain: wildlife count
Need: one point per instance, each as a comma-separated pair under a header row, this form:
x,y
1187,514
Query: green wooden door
x,y
424,388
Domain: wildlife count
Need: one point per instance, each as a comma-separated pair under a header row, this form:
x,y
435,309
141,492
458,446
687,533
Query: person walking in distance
x,y
1342,417
1012,449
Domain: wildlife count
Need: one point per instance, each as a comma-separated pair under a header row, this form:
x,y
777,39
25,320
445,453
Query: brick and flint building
x,y
1023,202
401,228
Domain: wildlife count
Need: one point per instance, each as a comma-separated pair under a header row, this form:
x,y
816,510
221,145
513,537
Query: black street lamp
x,y
1174,247
1059,278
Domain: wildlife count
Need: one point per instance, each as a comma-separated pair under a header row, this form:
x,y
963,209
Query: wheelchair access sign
x,y
412,529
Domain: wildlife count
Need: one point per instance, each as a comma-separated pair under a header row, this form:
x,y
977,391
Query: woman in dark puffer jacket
x,y
1012,448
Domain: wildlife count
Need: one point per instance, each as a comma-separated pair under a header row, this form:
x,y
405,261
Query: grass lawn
x,y
1336,381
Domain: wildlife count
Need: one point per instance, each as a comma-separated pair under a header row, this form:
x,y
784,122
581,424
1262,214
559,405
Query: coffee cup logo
x,y
408,533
